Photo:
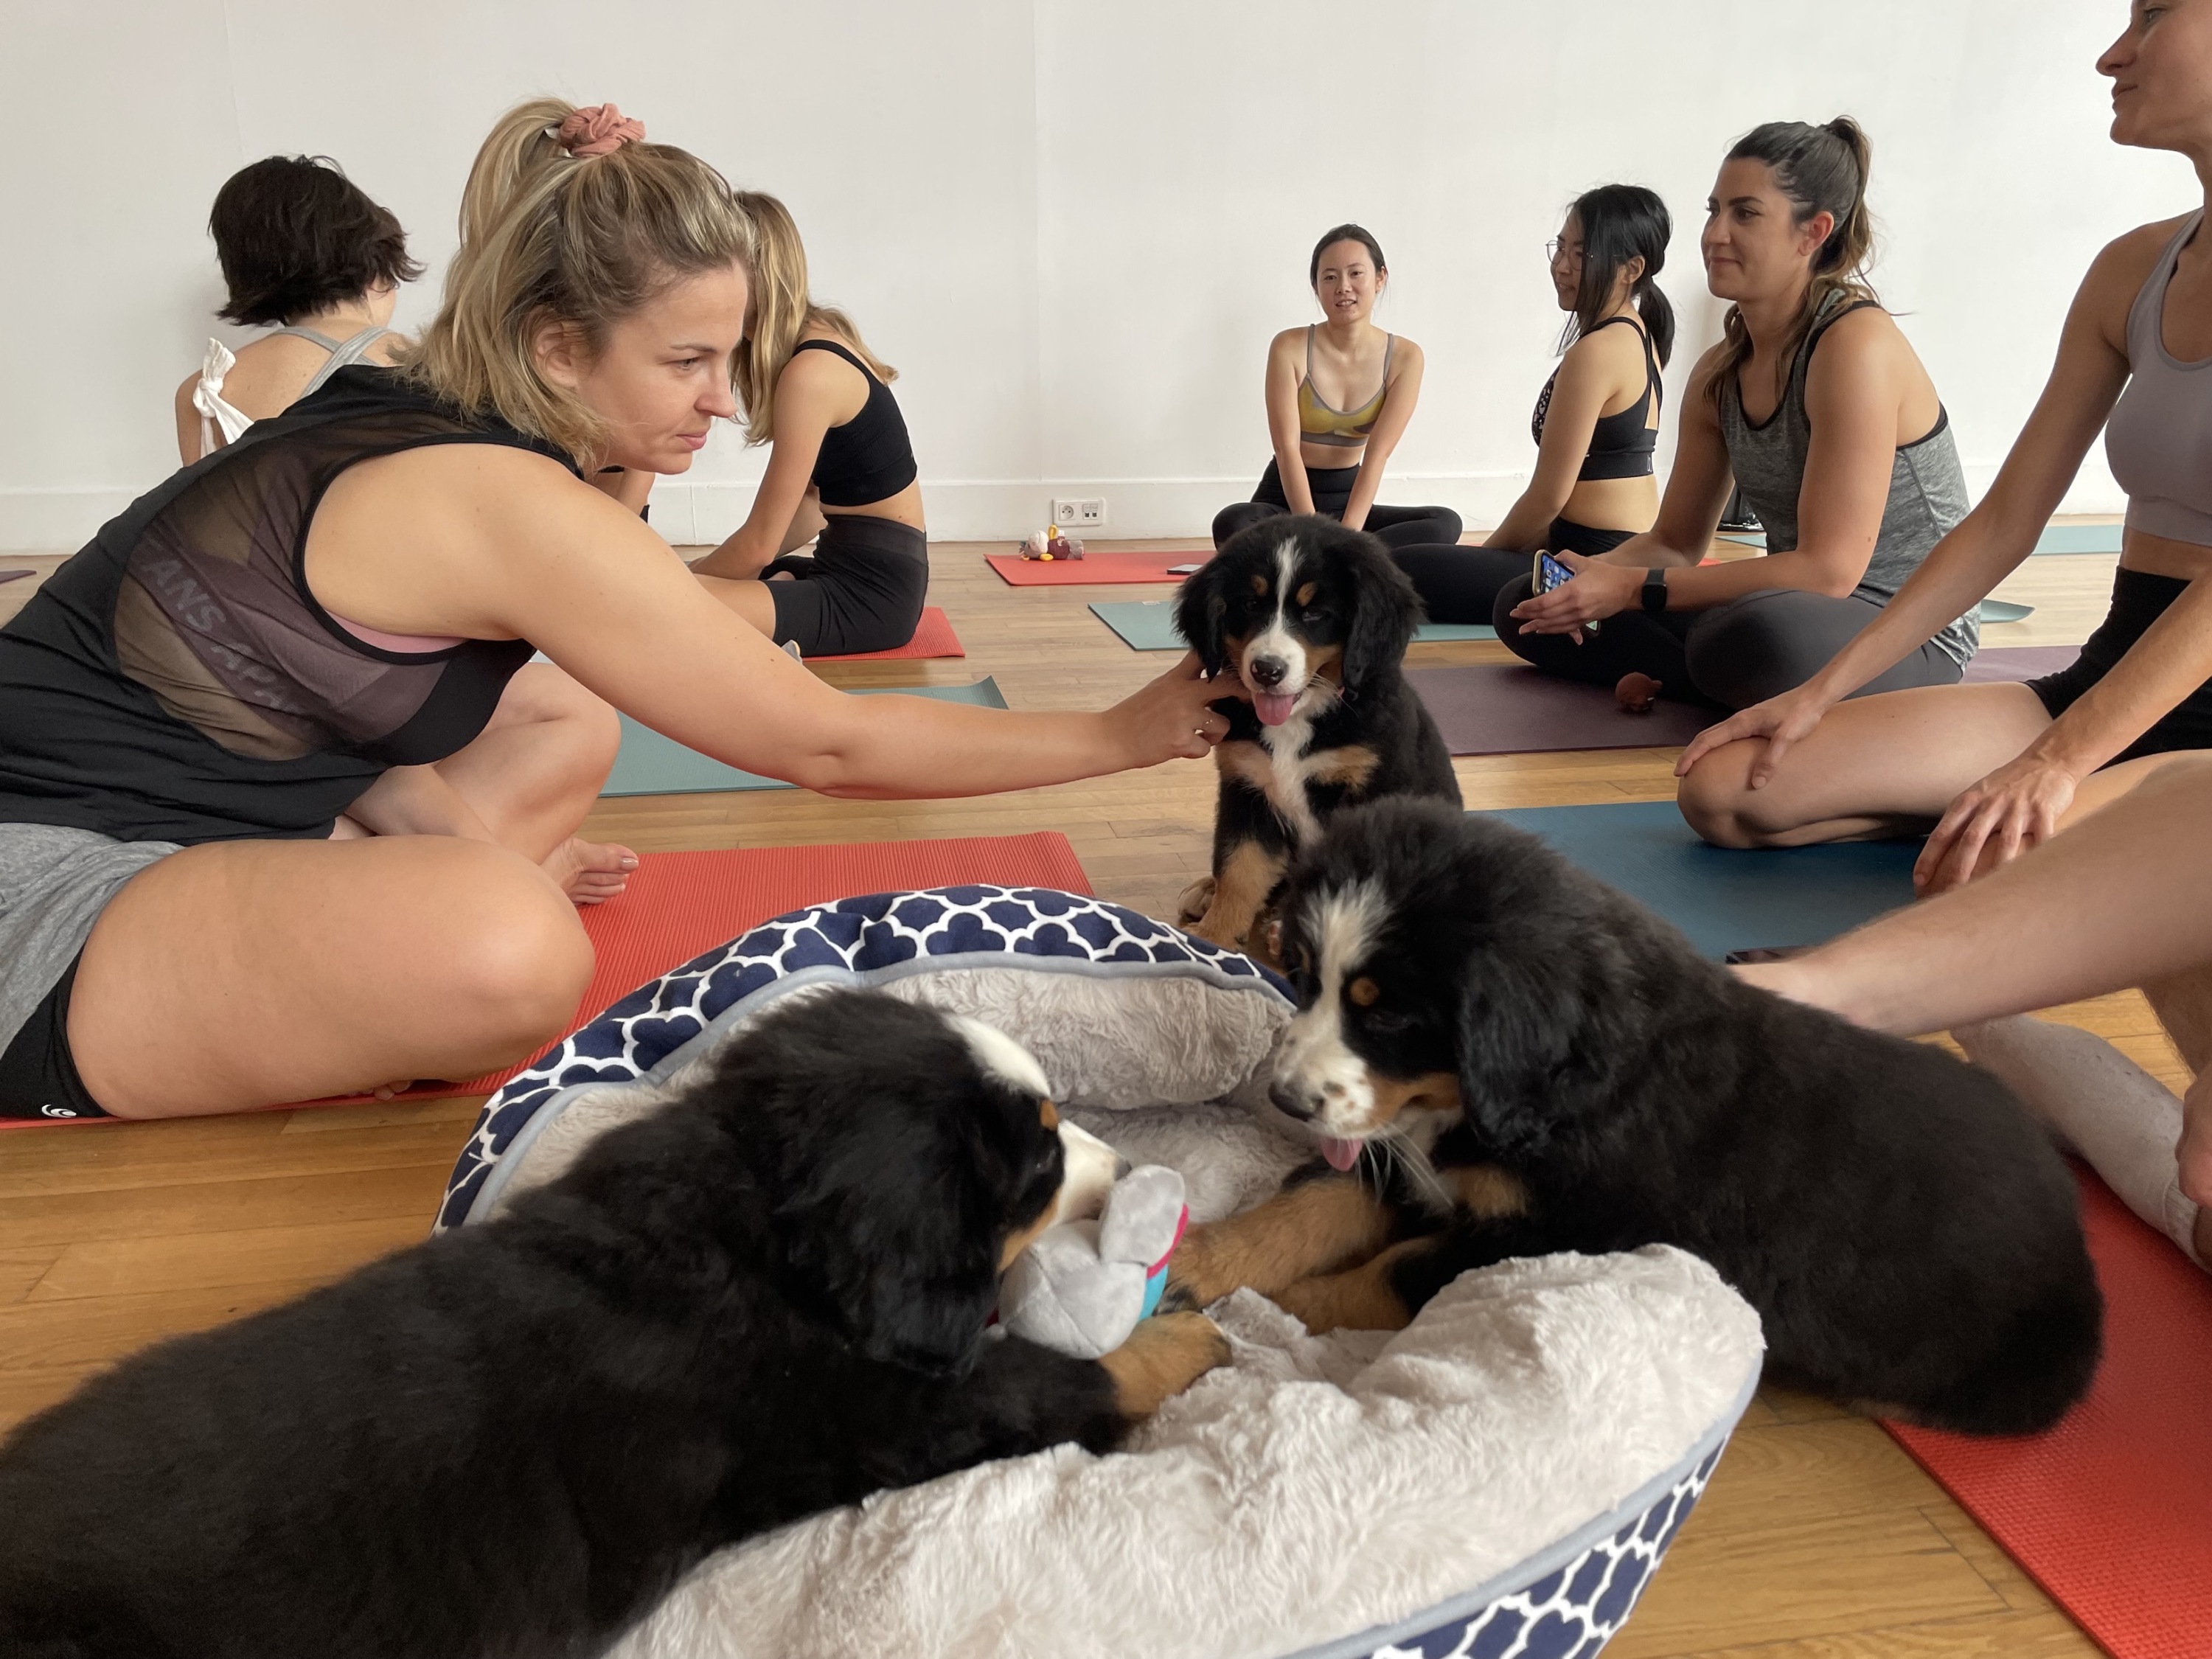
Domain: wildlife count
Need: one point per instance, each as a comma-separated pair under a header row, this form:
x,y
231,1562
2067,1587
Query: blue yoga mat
x,y
1725,900
650,765
2055,538
1149,625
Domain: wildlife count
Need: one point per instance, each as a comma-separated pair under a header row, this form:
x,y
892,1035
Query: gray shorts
x,y
54,883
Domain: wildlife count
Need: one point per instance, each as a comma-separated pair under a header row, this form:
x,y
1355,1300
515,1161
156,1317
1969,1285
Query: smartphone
x,y
1184,569
1547,573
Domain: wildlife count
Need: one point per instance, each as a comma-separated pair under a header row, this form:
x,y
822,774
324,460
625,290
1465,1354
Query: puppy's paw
x,y
1195,1278
1164,1355
1195,900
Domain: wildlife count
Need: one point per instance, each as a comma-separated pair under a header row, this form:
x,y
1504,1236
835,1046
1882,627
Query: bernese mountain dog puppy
x,y
1315,620
1503,1057
766,1299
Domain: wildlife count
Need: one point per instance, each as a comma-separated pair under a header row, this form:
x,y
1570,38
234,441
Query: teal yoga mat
x,y
2055,538
1726,900
650,765
1149,625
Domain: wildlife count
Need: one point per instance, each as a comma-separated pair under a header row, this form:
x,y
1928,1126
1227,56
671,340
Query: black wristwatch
x,y
1655,590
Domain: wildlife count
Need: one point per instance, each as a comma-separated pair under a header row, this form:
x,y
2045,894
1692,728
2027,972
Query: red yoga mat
x,y
1093,570
2111,1511
680,904
932,637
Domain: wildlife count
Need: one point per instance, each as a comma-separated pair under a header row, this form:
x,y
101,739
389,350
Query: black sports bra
x,y
1621,445
869,459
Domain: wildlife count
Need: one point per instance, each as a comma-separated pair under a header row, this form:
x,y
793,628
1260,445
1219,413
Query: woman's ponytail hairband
x,y
600,129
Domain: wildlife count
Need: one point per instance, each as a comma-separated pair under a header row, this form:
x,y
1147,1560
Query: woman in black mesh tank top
x,y
321,620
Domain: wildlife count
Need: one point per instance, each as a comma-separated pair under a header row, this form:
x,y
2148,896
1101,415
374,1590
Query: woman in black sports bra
x,y
1593,488
842,473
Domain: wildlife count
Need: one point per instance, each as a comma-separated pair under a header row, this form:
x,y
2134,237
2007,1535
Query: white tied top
x,y
217,415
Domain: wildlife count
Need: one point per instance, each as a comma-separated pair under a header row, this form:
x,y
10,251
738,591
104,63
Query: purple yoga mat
x,y
1512,710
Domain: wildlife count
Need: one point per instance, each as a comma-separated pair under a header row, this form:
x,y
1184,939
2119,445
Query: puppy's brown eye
x,y
1364,992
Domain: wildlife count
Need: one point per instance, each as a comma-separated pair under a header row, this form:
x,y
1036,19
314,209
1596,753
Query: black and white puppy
x,y
764,1300
1518,1060
1315,620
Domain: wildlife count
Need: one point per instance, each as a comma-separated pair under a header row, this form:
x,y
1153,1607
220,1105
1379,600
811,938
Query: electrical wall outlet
x,y
1085,513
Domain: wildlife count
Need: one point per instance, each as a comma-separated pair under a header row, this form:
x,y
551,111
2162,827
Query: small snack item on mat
x,y
1049,544
1083,1285
1637,693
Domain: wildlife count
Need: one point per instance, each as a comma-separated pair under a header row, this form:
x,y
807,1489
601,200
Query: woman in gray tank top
x,y
2001,769
1997,769
1816,407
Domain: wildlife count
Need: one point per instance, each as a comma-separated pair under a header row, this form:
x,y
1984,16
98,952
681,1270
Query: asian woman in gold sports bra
x,y
1340,393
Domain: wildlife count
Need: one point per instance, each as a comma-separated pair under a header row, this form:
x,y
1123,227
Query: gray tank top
x,y
2159,438
342,352
1927,489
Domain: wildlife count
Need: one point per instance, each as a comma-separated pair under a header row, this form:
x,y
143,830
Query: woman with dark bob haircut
x,y
303,248
1596,424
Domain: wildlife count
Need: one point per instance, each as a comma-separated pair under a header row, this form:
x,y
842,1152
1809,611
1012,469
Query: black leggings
x,y
1462,584
861,591
1398,527
1731,656
2138,600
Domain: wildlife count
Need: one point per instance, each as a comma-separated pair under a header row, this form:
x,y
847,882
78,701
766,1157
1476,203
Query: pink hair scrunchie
x,y
600,129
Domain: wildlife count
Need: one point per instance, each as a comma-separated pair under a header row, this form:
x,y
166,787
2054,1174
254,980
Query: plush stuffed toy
x,y
1082,1287
1049,544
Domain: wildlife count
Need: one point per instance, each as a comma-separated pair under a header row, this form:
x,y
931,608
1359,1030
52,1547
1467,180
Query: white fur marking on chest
x,y
1290,764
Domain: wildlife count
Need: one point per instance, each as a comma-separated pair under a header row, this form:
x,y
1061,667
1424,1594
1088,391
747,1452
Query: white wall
x,y
1072,226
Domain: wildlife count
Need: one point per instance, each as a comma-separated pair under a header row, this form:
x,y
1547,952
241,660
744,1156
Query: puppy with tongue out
x,y
1306,625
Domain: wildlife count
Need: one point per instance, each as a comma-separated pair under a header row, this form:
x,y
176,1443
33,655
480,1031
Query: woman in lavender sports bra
x,y
1998,768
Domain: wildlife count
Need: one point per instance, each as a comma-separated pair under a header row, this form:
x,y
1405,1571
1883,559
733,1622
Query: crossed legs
x,y
245,974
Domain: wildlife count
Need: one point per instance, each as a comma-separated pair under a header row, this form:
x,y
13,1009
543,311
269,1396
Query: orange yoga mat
x,y
680,904
932,637
2111,1511
1093,570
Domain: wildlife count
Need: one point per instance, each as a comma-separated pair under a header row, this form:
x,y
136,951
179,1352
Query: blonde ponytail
x,y
548,236
780,311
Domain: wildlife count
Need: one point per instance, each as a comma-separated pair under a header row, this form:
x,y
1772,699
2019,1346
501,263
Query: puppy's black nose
x,y
1290,1101
1267,672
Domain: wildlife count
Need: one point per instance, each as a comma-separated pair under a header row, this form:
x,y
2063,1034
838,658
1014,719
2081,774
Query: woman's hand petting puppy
x,y
1172,716
1599,590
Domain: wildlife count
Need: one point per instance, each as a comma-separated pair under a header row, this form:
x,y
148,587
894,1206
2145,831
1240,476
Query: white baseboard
x,y
993,509
976,509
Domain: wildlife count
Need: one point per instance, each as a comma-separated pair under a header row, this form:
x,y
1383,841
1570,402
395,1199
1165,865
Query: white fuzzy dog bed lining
x,y
1499,1477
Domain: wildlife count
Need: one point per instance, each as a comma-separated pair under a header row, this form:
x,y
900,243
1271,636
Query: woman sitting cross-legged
x,y
301,246
1819,410
1597,420
318,626
842,473
1340,395
2000,768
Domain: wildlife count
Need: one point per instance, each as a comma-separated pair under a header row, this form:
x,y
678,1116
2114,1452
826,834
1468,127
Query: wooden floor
x,y
1818,1540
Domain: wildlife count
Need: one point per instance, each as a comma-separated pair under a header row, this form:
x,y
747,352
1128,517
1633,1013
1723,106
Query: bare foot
x,y
590,871
1637,693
